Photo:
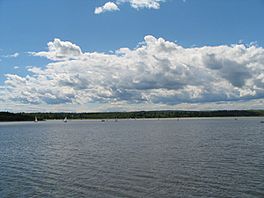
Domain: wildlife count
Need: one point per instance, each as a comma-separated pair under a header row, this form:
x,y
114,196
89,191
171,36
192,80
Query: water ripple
x,y
165,158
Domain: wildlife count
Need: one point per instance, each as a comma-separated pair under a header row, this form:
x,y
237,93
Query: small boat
x,y
65,119
102,120
36,119
262,121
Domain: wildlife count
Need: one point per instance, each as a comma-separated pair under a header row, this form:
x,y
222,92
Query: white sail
x,y
65,119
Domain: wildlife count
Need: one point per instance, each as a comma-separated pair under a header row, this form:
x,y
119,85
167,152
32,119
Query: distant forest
x,y
6,116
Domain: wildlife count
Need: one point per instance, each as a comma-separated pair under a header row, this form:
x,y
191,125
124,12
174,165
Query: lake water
x,y
133,158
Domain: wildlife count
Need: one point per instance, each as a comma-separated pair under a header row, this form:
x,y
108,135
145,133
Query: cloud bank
x,y
157,73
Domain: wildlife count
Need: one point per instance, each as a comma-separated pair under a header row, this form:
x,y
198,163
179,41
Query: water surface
x,y
133,158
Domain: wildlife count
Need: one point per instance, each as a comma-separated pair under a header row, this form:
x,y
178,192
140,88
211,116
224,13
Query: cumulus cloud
x,y
157,73
60,50
109,6
136,4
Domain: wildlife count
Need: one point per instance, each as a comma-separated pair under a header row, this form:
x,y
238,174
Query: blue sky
x,y
28,25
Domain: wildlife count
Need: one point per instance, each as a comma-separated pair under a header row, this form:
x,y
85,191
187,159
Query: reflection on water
x,y
129,158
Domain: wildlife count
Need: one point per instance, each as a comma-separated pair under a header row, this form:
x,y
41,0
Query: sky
x,y
125,55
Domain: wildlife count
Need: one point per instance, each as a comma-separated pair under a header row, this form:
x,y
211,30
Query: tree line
x,y
7,116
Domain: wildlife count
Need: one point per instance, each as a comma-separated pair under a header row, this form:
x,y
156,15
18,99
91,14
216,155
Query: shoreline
x,y
142,119
138,115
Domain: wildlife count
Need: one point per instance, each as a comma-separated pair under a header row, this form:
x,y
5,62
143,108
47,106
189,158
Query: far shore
x,y
136,115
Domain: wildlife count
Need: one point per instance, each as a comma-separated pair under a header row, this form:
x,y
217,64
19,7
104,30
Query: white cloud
x,y
11,55
60,50
157,74
139,4
109,6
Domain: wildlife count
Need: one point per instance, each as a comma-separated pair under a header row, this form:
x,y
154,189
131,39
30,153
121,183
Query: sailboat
x,y
65,119
36,119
